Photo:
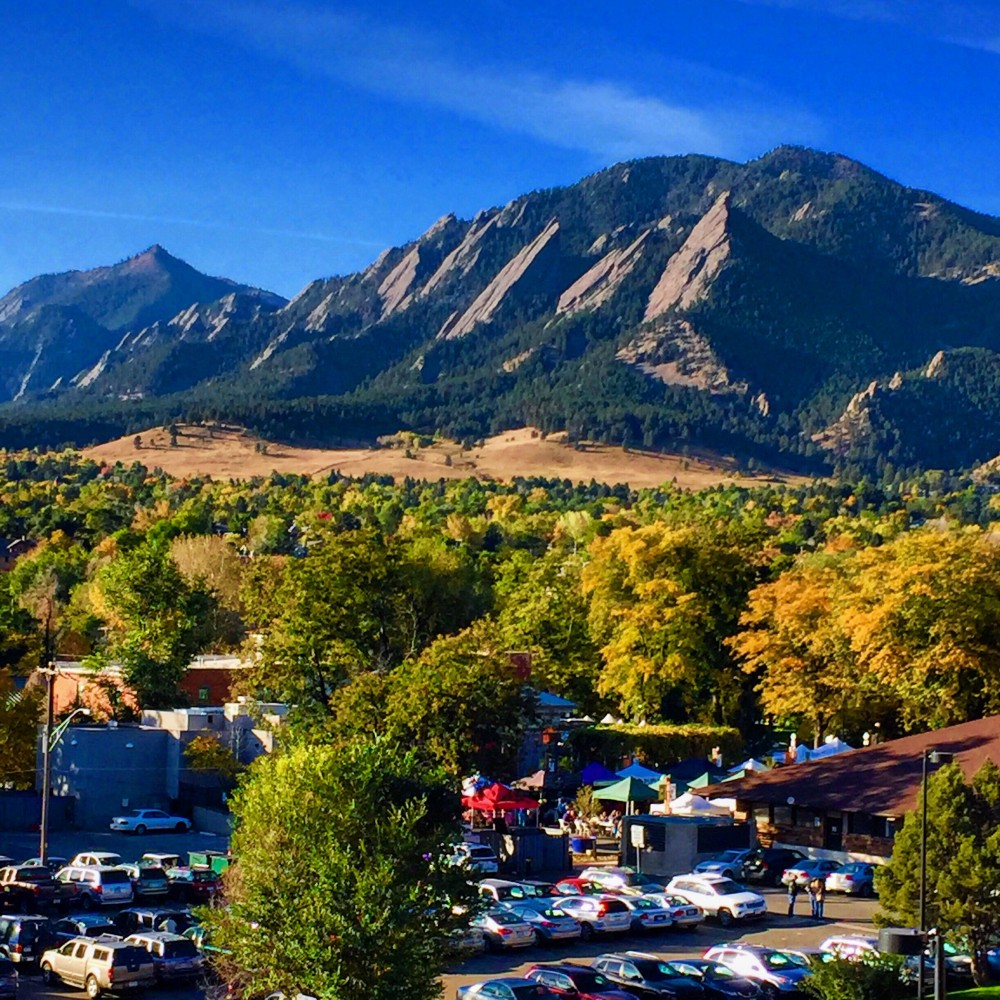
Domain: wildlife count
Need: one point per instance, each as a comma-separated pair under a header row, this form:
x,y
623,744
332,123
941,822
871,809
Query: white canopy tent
x,y
690,804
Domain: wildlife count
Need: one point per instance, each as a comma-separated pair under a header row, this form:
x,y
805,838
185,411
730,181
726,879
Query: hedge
x,y
655,746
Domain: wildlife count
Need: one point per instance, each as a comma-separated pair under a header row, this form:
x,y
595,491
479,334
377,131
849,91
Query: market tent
x,y
498,797
706,779
832,746
750,764
637,770
594,774
628,790
690,804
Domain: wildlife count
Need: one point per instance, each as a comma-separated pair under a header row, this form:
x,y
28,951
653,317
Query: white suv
x,y
719,897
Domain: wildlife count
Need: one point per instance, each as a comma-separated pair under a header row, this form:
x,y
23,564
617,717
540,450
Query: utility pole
x,y
43,845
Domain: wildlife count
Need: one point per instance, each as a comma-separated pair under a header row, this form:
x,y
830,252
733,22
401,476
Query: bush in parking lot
x,y
340,888
875,977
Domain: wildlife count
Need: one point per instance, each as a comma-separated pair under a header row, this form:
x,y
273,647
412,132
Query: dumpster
x,y
217,861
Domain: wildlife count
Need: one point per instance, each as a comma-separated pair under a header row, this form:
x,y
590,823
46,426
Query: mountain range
x,y
799,308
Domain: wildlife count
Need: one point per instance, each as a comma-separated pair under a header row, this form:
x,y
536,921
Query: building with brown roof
x,y
848,806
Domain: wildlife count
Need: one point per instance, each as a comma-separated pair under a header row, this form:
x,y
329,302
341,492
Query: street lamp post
x,y
49,742
934,757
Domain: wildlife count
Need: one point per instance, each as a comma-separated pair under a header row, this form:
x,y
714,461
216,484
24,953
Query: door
x,y
833,832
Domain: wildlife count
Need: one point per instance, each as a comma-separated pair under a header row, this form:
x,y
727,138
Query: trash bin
x,y
583,845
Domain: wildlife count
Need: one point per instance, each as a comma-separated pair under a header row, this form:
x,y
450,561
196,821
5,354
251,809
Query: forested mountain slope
x,y
667,302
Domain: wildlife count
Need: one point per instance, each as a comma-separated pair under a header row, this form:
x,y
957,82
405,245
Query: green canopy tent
x,y
628,790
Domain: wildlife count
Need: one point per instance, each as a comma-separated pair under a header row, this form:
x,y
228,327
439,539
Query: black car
x,y
647,976
84,925
768,864
23,938
718,980
565,979
176,919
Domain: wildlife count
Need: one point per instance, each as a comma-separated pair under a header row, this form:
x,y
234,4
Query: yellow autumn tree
x,y
662,603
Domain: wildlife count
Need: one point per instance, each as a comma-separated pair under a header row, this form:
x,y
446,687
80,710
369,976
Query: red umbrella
x,y
497,797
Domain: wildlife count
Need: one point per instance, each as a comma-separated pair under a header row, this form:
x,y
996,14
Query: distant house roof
x,y
15,546
883,780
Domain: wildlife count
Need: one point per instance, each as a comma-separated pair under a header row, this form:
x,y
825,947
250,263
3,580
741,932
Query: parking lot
x,y
131,847
844,915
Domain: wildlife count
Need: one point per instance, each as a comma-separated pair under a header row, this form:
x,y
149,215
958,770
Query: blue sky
x,y
275,142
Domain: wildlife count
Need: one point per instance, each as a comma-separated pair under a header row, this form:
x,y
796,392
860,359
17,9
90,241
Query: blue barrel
x,y
582,845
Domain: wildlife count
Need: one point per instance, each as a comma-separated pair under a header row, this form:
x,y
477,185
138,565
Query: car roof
x,y
498,882
157,936
561,967
705,877
89,918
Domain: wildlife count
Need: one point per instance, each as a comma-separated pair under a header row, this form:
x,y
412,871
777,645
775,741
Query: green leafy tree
x,y
867,978
963,863
156,622
19,714
341,890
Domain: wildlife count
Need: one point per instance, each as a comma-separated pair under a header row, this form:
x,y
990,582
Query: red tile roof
x,y
883,780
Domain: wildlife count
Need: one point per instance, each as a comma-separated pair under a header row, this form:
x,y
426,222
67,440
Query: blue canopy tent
x,y
597,774
637,770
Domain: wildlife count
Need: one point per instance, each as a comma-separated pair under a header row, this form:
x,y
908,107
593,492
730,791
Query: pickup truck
x,y
28,890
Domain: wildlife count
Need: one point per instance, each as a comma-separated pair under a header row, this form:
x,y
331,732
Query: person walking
x,y
811,889
820,896
793,892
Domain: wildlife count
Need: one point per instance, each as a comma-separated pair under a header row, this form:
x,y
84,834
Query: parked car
x,y
194,885
505,930
766,864
53,862
23,938
597,914
91,886
856,879
622,880
29,889
176,919
778,972
140,820
8,979
475,857
501,890
718,981
165,861
98,859
147,881
577,886
174,957
682,913
645,975
648,913
463,942
538,889
566,979
719,897
98,965
83,925
506,988
849,945
803,872
549,924
728,863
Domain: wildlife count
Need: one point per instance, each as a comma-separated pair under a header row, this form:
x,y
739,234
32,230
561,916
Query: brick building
x,y
208,681
848,806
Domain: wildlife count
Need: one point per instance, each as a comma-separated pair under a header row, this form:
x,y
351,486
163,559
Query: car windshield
x,y
203,875
642,903
146,874
135,814
96,930
541,890
29,932
726,887
505,918
114,877
131,955
779,960
179,949
654,971
481,852
729,856
528,992
585,982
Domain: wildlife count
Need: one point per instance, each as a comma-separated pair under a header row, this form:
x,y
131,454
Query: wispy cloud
x,y
971,23
173,220
606,117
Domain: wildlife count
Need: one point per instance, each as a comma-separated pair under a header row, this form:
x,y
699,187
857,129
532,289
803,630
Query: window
x,y
784,816
203,695
762,814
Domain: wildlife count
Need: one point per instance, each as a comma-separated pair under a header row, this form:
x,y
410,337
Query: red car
x,y
579,887
564,979
194,884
